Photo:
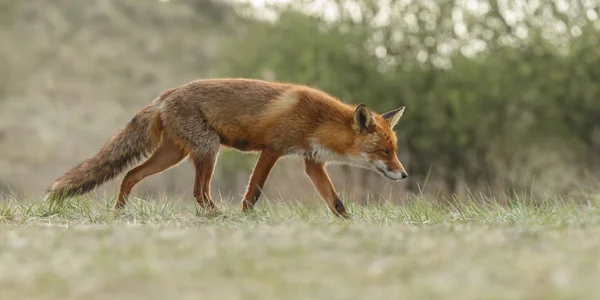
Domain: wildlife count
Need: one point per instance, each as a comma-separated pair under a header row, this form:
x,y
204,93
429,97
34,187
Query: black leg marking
x,y
340,209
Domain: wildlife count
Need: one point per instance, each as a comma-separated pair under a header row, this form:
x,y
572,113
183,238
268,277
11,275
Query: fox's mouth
x,y
386,174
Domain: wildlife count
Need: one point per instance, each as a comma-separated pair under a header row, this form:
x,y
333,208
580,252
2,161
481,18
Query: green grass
x,y
545,249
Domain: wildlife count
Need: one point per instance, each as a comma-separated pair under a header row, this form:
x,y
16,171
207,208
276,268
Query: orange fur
x,y
274,118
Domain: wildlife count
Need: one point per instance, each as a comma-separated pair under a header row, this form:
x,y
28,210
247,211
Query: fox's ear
x,y
363,119
393,116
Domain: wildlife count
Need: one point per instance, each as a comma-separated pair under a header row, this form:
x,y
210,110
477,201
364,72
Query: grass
x,y
546,249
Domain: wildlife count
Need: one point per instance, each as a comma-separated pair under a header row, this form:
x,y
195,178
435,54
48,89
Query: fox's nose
x,y
404,175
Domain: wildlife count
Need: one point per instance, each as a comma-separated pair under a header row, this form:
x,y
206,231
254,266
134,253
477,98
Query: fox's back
x,y
250,114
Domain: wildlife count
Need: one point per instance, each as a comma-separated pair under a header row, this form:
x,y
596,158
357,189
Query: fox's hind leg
x,y
203,155
165,156
187,125
204,170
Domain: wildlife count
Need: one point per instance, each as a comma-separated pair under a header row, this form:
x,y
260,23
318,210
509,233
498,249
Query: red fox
x,y
274,118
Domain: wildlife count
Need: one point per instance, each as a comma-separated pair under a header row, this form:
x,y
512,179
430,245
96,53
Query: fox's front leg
x,y
318,175
263,167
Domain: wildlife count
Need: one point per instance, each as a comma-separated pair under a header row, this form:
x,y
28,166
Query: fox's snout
x,y
392,170
396,175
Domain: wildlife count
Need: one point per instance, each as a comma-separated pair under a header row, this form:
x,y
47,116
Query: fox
x,y
276,119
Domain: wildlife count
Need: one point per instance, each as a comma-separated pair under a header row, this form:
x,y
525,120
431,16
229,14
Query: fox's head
x,y
376,142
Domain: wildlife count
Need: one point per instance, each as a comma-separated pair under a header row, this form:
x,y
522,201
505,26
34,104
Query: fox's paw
x,y
247,206
340,210
207,208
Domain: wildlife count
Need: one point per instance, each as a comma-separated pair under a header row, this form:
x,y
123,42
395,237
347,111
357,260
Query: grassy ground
x,y
420,250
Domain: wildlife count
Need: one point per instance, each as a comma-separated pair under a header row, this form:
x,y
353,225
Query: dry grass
x,y
163,250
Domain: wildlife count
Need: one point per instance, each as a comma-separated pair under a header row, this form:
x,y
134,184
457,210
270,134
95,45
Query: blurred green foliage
x,y
490,89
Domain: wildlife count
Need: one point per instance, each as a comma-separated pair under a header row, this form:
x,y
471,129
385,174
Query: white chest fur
x,y
320,153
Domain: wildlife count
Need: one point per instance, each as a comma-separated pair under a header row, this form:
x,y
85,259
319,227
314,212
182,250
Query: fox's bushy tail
x,y
130,144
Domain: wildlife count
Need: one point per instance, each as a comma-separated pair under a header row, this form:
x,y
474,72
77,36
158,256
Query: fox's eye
x,y
386,151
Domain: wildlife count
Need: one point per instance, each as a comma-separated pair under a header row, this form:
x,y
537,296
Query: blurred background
x,y
502,96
